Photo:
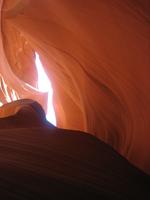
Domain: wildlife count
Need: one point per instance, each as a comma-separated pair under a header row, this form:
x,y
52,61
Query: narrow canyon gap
x,y
97,56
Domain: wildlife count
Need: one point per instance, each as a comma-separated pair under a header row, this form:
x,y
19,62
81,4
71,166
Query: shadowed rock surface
x,y
40,161
96,53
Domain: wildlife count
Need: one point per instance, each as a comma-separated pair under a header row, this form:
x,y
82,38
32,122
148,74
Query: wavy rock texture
x,y
39,161
97,55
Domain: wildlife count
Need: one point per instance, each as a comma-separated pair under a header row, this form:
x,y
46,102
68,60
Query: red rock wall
x,y
97,56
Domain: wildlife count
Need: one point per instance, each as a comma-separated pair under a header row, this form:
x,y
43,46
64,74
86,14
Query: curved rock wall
x,y
97,56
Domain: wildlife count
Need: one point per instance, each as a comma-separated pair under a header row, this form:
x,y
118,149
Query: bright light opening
x,y
9,94
44,85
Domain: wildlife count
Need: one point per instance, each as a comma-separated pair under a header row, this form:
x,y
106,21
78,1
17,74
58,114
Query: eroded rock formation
x,y
96,54
40,161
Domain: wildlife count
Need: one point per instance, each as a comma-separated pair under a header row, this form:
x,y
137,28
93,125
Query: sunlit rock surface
x,y
97,57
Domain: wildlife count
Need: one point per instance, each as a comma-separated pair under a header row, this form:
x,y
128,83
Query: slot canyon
x,y
74,99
